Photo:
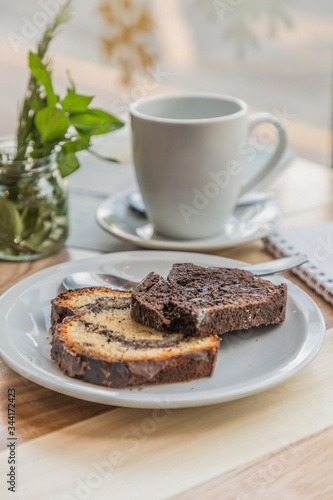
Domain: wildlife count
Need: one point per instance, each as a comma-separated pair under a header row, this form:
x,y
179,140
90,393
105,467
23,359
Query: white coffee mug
x,y
189,152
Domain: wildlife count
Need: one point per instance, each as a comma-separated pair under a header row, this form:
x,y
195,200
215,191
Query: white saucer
x,y
248,362
246,224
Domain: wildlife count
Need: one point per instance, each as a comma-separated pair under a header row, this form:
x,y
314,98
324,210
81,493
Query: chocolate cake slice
x,y
95,339
202,301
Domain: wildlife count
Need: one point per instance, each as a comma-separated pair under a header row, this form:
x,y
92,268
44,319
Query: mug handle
x,y
255,120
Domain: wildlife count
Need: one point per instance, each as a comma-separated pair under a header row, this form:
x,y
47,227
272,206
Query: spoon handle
x,y
86,278
277,265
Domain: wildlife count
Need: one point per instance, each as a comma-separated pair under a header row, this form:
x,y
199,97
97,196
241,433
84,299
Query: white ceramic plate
x,y
246,224
247,363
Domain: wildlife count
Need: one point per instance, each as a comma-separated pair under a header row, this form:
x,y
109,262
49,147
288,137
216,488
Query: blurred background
x,y
275,54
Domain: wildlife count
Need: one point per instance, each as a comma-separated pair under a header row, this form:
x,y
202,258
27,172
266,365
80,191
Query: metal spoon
x,y
136,202
87,278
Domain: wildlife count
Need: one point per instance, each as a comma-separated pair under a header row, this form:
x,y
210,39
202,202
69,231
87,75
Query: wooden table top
x,y
276,444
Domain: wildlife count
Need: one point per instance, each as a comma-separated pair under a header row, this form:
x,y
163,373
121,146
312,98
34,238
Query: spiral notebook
x,y
316,241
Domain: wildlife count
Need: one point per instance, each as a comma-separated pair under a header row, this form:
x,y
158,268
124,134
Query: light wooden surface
x,y
277,444
150,455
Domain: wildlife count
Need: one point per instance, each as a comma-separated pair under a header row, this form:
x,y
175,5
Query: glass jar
x,y
33,206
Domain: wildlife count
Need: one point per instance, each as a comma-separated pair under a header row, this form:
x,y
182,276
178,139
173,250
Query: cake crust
x,y
69,302
119,373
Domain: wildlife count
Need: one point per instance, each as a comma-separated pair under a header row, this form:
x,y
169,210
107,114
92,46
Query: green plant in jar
x,y
33,207
51,131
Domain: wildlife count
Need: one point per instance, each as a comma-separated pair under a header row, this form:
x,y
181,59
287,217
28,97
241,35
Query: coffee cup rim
x,y
134,111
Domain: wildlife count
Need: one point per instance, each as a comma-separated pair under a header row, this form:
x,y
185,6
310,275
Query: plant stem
x,y
26,129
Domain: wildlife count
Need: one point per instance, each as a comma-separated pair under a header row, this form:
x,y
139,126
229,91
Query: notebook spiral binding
x,y
308,272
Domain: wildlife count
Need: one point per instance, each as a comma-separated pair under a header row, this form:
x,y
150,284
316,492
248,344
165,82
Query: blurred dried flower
x,y
129,36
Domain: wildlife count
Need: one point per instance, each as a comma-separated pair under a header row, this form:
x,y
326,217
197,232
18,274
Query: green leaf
x,y
94,122
52,124
30,217
42,150
76,145
41,74
103,157
75,102
11,225
42,231
67,161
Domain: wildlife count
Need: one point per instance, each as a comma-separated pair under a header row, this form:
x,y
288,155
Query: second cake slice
x,y
202,301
